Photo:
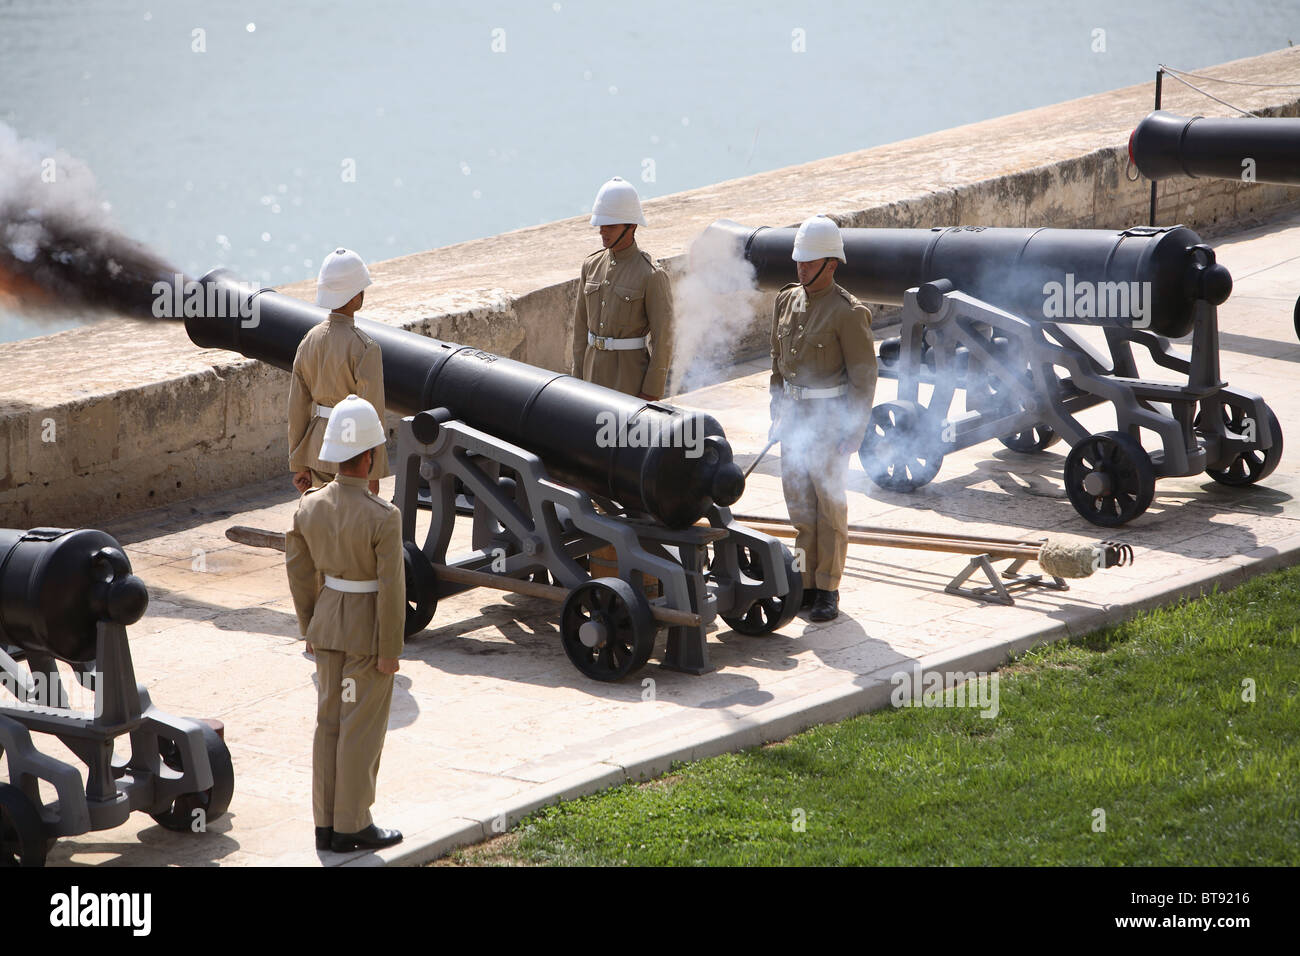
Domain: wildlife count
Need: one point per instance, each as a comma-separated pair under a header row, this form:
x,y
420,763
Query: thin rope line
x,y
1202,76
1216,99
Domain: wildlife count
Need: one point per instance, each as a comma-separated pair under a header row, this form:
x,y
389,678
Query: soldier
x,y
355,621
334,359
622,324
823,382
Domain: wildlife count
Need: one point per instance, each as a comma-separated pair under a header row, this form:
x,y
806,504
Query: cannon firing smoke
x,y
715,300
59,251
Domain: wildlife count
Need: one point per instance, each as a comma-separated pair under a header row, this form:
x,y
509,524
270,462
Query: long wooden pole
x,y
891,532
994,549
258,538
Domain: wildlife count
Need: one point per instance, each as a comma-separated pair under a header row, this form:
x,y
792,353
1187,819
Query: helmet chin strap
x,y
825,263
620,236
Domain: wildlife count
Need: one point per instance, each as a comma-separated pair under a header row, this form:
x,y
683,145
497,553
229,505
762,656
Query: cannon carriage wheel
x,y
1031,440
421,589
900,451
770,613
214,801
1251,464
22,834
1109,478
607,628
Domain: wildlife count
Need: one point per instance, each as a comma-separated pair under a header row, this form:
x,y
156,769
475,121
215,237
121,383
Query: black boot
x,y
371,838
826,607
809,595
323,836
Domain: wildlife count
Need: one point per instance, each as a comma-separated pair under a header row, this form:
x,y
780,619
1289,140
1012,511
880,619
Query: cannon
x,y
556,469
1261,149
992,313
1252,149
69,595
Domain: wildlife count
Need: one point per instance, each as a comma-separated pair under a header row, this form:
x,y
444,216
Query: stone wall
x,y
125,415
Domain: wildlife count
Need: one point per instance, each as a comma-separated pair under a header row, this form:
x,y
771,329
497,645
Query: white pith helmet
x,y
617,204
818,238
353,427
342,275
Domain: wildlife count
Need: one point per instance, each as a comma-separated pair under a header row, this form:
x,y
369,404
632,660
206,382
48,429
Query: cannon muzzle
x,y
56,584
651,458
1144,277
1261,149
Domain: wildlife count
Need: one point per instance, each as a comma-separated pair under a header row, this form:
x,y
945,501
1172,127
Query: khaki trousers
x,y
813,478
351,723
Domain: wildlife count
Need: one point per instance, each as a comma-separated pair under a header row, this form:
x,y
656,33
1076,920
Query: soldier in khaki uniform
x,y
622,324
350,541
334,359
823,383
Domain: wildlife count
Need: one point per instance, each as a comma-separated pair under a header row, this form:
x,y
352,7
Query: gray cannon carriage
x,y
69,596
556,469
991,313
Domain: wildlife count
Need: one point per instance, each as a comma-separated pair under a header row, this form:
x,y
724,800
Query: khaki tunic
x,y
334,360
820,341
624,295
344,531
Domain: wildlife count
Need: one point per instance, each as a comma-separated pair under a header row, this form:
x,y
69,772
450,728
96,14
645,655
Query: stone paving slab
x,y
489,719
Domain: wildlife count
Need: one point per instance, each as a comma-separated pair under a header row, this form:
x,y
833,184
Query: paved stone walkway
x,y
490,720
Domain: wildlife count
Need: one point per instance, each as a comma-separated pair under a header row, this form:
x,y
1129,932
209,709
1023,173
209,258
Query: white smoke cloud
x,y
40,184
713,306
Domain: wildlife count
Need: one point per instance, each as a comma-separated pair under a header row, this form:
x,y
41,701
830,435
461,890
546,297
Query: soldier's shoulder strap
x,y
314,333
848,296
363,336
386,506
307,503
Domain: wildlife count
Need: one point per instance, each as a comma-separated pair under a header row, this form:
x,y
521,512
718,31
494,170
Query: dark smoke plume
x,y
58,249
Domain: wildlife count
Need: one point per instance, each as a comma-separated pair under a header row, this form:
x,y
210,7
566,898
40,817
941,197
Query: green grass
x,y
1145,721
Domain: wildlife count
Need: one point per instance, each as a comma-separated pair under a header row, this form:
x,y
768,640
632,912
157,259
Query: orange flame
x,y
18,292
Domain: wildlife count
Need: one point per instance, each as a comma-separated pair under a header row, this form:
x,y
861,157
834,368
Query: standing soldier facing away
x,y
334,359
622,323
356,622
822,386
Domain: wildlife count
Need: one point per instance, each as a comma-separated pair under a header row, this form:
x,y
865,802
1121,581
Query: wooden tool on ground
x,y
260,538
1059,558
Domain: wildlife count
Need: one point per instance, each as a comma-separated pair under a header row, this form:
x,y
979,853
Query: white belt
x,y
606,344
323,411
799,393
351,587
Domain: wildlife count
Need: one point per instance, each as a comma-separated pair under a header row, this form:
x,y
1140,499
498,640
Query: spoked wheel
x,y
607,628
900,451
1031,440
183,814
1109,479
22,834
421,589
770,613
1251,464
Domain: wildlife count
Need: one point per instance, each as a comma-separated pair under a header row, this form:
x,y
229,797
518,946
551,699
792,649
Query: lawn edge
x,y
862,694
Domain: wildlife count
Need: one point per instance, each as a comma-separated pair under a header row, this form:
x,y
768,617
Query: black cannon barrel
x,y
1265,149
669,463
56,583
1145,276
